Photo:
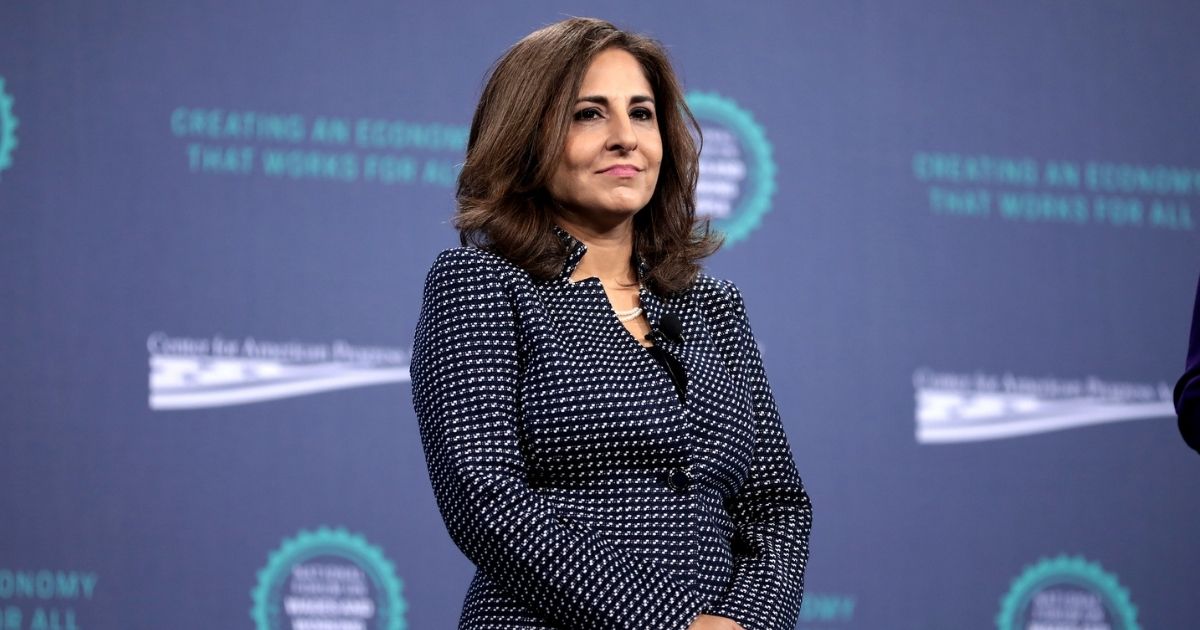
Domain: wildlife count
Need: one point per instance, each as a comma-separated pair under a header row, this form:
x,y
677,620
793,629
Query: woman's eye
x,y
642,113
590,113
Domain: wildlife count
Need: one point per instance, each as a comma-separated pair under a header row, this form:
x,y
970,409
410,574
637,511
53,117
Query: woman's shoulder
x,y
711,290
719,302
471,256
708,284
471,265
474,275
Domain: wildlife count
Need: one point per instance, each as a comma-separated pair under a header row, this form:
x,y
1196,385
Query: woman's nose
x,y
621,135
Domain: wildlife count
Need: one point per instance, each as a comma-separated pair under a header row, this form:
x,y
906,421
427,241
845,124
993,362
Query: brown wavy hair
x,y
517,139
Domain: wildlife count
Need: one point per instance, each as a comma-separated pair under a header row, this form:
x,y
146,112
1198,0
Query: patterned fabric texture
x,y
570,473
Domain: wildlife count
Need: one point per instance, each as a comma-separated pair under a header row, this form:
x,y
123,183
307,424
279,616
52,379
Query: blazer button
x,y
679,479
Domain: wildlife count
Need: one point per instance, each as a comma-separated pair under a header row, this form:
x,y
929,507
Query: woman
x,y
600,435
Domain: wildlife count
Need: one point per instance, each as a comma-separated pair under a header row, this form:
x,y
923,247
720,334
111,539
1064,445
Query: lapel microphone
x,y
671,328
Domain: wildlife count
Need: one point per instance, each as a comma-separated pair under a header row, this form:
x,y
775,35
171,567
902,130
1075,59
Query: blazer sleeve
x,y
465,370
1187,388
771,512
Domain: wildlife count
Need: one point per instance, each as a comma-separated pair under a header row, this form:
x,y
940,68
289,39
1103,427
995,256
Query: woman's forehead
x,y
615,72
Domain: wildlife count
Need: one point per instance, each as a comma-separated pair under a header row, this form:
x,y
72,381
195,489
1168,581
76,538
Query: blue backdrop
x,y
967,234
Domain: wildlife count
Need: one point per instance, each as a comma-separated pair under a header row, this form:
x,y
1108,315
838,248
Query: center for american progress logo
x,y
966,407
737,172
8,128
1067,592
328,579
197,372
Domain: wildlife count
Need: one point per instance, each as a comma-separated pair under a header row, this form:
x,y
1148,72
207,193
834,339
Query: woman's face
x,y
610,162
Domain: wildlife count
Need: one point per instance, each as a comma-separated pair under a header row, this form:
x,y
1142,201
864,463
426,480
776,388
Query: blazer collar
x,y
653,305
576,249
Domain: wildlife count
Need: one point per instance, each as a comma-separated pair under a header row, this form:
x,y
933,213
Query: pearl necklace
x,y
632,313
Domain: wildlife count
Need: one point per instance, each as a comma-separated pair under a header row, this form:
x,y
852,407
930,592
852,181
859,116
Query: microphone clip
x,y
669,329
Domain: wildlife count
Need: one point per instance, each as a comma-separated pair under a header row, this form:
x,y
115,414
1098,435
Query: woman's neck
x,y
609,251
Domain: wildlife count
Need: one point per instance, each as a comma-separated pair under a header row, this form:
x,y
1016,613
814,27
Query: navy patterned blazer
x,y
1187,388
570,473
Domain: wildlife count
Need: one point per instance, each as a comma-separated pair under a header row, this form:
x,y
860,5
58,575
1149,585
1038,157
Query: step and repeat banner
x,y
968,235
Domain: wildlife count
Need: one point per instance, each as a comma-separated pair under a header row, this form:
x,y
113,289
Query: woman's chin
x,y
626,205
609,212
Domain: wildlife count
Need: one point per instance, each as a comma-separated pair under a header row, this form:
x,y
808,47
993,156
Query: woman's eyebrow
x,y
603,100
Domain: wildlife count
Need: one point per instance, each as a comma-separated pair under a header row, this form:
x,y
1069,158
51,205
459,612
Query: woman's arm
x,y
771,512
1187,388
464,376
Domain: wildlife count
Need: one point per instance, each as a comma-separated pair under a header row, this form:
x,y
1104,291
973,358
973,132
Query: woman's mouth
x,y
622,170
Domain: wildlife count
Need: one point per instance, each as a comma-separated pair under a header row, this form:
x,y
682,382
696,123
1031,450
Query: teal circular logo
x,y
8,128
1067,592
325,579
737,171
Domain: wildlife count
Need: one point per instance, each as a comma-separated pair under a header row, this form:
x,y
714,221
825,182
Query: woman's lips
x,y
621,170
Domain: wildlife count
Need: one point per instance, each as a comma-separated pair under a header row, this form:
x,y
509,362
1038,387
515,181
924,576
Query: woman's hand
x,y
713,622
